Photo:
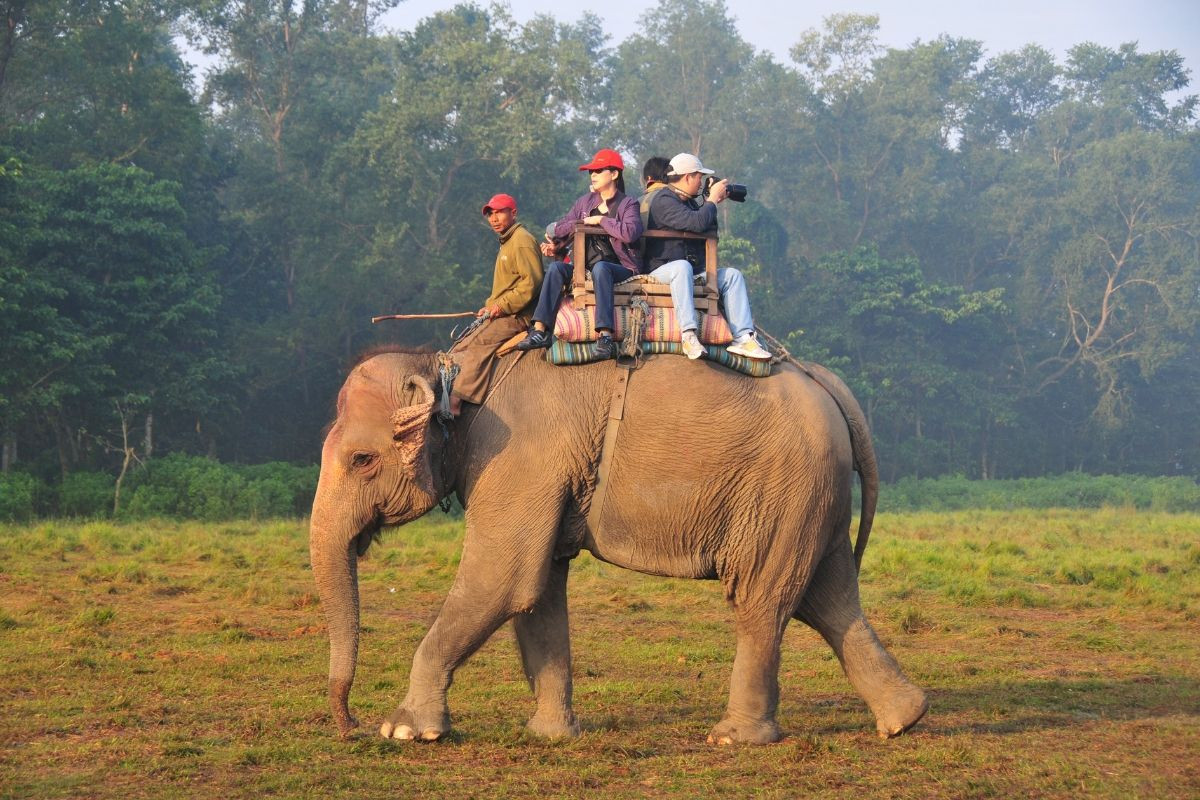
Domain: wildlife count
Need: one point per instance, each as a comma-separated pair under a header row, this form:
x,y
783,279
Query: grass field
x,y
1061,651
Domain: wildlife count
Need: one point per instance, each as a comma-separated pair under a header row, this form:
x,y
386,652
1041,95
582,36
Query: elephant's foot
x,y
730,731
346,725
405,724
900,711
555,725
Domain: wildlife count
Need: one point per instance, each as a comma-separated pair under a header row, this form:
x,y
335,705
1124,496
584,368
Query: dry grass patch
x,y
160,660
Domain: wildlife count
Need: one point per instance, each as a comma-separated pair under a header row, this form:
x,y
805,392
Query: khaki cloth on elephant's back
x,y
475,355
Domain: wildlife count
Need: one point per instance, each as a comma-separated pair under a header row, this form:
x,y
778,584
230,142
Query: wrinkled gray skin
x,y
716,475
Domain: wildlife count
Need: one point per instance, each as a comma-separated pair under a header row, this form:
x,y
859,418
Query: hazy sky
x,y
1001,25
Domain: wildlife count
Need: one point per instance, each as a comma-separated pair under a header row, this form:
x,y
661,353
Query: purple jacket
x,y
623,230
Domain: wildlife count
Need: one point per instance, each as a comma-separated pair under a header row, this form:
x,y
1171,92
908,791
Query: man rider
x,y
516,280
680,207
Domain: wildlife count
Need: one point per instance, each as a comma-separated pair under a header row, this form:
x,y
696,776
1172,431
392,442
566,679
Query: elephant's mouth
x,y
369,534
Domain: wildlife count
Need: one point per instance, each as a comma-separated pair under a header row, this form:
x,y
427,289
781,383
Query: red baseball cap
x,y
499,201
605,159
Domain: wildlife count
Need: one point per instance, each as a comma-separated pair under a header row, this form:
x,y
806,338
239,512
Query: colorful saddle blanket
x,y
563,353
579,325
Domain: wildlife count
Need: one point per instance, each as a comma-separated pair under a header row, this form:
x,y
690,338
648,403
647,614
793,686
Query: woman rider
x,y
611,259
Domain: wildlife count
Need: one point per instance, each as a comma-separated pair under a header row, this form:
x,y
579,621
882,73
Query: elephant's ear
x,y
410,423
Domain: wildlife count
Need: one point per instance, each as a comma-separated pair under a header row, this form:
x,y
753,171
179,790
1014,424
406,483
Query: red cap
x,y
605,159
499,201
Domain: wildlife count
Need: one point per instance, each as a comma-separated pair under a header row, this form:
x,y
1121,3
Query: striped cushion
x,y
564,353
579,325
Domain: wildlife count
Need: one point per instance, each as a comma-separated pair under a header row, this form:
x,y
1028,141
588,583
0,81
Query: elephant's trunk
x,y
334,559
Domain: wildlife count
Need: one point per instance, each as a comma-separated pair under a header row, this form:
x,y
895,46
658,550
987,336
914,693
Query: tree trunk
x,y
8,456
128,454
148,438
68,452
983,454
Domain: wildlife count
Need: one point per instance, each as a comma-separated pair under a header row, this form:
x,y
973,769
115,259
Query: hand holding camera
x,y
732,191
715,190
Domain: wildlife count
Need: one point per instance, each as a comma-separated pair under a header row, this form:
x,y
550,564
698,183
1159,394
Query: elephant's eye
x,y
362,460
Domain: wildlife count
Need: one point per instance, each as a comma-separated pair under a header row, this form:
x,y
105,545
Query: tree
x,y
675,86
292,84
1083,178
479,105
876,128
100,82
120,274
910,351
39,342
1125,269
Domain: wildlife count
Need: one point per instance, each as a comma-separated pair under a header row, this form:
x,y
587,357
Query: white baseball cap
x,y
686,164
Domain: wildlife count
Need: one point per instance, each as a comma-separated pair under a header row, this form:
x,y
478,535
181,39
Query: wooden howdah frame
x,y
654,293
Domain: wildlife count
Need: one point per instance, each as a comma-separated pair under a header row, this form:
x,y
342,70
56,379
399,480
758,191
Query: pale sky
x,y
1002,25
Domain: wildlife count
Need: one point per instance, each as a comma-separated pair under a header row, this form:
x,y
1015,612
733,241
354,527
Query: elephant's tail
x,y
860,443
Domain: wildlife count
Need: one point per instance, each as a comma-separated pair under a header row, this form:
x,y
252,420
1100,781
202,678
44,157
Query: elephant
x,y
713,475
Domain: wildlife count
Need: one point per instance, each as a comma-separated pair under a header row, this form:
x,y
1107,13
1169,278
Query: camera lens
x,y
736,192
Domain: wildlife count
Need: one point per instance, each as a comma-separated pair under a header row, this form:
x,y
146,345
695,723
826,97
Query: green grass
x,y
1061,650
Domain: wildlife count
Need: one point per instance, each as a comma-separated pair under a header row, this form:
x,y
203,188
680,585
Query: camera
x,y
733,191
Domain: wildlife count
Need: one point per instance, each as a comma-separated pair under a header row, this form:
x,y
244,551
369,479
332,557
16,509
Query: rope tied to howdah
x,y
639,311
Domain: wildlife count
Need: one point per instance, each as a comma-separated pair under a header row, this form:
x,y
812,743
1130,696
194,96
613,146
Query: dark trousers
x,y
605,275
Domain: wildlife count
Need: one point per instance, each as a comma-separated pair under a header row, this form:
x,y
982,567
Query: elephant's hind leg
x,y
831,606
544,640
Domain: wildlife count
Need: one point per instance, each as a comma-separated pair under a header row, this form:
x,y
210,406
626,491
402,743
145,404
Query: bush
x,y
149,500
284,489
191,487
17,493
86,494
212,491
1072,490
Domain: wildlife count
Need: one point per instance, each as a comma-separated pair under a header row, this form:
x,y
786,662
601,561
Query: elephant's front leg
x,y
544,639
492,585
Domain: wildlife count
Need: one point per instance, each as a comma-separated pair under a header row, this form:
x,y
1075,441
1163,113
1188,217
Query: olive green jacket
x,y
518,276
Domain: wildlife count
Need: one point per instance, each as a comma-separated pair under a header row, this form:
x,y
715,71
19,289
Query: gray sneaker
x,y
749,347
691,345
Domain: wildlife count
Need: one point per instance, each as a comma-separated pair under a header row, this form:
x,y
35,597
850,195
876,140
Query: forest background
x,y
999,254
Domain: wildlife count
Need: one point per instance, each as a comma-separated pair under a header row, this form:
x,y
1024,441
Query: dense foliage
x,y
176,486
999,253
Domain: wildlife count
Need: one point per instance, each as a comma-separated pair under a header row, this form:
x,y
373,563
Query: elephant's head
x,y
380,464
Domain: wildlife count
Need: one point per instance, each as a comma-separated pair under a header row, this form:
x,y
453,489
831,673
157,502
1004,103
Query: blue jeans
x,y
605,275
730,284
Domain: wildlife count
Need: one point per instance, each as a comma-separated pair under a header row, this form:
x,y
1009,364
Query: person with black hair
x,y
654,180
611,259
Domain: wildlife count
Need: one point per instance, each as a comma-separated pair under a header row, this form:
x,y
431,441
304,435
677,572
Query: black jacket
x,y
669,212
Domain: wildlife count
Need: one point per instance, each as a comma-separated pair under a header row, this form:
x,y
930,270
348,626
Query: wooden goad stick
x,y
424,316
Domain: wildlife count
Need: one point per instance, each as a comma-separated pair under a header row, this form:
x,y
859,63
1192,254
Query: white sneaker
x,y
749,347
691,345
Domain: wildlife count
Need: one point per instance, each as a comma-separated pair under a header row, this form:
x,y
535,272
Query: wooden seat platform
x,y
654,293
